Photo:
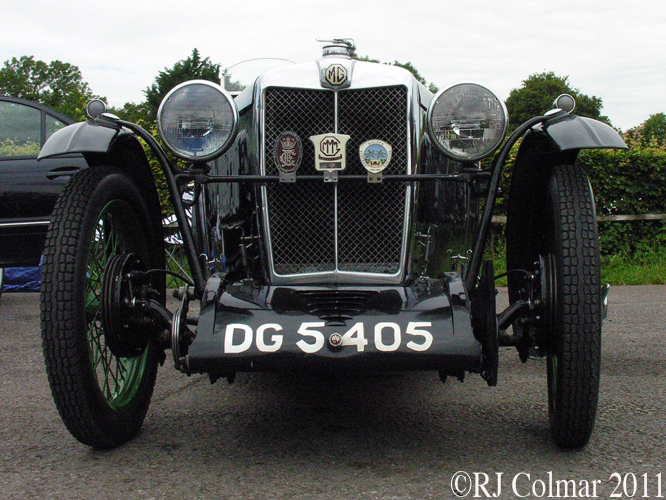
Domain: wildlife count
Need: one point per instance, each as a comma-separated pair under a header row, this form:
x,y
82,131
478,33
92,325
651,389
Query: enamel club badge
x,y
288,154
375,157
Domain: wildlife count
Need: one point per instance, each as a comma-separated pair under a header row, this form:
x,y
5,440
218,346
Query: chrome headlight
x,y
198,120
467,121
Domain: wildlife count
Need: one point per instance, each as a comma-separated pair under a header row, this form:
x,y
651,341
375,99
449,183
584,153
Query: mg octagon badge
x,y
336,74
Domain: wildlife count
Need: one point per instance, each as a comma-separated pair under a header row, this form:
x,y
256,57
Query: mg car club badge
x,y
330,154
375,157
288,154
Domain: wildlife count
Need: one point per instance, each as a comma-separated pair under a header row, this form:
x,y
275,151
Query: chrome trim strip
x,y
260,114
306,76
26,224
336,239
337,277
335,115
605,289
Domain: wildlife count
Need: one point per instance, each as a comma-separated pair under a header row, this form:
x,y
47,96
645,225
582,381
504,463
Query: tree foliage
x,y
537,94
145,113
192,68
133,112
649,134
57,85
408,66
10,148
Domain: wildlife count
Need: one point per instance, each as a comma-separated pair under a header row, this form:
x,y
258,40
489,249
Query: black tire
x,y
102,399
573,320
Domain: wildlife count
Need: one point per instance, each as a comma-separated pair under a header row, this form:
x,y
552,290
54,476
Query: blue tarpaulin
x,y
22,279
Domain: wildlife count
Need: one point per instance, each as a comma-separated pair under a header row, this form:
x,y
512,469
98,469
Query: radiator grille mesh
x,y
370,217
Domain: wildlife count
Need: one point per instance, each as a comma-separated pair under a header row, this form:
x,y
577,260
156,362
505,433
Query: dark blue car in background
x,y
28,188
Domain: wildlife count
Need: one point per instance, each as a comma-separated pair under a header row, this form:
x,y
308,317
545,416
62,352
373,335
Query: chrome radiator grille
x,y
347,226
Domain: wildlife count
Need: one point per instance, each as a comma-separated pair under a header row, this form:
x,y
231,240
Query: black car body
x,y
339,219
28,187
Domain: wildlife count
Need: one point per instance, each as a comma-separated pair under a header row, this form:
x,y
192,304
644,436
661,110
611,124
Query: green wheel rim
x,y
117,231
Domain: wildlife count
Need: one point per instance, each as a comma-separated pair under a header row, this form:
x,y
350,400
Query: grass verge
x,y
645,267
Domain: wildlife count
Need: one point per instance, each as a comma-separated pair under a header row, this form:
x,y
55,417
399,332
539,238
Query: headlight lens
x,y
197,120
467,121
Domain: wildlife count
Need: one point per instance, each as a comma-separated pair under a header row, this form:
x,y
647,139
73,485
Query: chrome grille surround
x,y
344,232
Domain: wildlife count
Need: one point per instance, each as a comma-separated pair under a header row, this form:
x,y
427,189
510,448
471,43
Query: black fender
x,y
83,137
558,140
104,144
546,145
572,132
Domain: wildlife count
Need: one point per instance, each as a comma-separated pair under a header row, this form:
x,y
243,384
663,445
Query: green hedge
x,y
629,182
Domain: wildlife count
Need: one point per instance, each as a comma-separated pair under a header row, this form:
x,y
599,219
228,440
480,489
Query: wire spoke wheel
x,y
118,378
102,398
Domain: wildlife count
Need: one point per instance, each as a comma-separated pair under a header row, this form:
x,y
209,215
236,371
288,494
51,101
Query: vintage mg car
x,y
339,220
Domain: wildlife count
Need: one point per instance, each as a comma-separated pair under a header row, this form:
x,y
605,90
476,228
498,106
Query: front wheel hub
x,y
124,322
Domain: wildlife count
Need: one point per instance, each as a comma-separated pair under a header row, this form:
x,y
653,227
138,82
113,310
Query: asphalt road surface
x,y
384,436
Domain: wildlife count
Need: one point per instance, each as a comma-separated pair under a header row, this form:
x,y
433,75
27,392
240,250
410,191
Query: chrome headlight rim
x,y
452,154
216,152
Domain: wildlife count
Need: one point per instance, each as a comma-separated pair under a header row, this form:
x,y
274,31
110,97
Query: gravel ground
x,y
381,436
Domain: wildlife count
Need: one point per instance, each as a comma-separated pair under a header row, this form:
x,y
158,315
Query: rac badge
x,y
336,74
288,154
330,154
375,157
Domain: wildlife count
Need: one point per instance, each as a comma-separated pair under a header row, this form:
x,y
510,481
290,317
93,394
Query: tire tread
x,y
66,352
579,296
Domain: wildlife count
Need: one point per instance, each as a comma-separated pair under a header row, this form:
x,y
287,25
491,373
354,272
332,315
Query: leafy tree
x,y
649,134
231,85
11,148
192,68
408,66
145,113
365,58
57,84
132,112
537,94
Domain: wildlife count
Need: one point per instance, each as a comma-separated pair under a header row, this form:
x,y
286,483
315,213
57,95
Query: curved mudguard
x,y
573,132
108,145
425,326
556,141
83,137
